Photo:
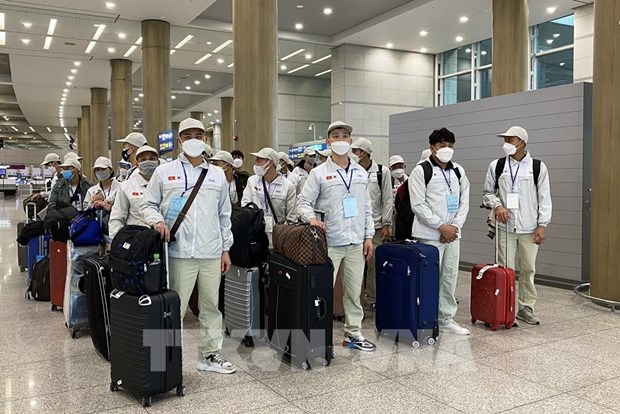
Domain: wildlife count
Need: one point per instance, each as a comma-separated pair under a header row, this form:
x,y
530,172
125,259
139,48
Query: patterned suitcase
x,y
243,304
408,291
493,295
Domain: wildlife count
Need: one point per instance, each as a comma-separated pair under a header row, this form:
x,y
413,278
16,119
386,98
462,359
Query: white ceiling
x,y
39,76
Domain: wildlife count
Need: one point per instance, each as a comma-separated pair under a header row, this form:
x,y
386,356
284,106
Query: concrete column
x,y
78,131
156,110
99,134
228,123
84,141
121,110
605,233
510,46
255,73
197,115
217,136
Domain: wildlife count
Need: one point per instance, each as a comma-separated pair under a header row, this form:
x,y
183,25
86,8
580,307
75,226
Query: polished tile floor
x,y
569,364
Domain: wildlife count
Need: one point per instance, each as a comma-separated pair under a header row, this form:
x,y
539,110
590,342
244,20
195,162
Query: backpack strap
x,y
380,180
499,169
428,172
536,171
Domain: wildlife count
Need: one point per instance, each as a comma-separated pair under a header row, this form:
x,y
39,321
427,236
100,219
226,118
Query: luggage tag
x,y
453,203
349,205
512,201
176,205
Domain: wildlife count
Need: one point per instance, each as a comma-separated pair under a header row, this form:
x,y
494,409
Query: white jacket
x,y
534,208
206,231
108,195
429,202
303,176
295,179
382,201
324,191
126,207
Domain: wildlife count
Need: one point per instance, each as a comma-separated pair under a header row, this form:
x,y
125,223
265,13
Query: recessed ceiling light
x,y
549,41
217,120
220,61
110,5
389,45
188,87
562,63
26,41
459,38
209,114
423,33
207,76
483,53
423,50
32,129
216,111
15,129
27,25
68,83
464,19
283,67
327,11
136,99
70,77
173,97
74,71
300,6
196,82
468,50
308,56
551,10
65,90
209,43
111,50
556,35
231,65
77,63
141,95
299,26
122,35
48,129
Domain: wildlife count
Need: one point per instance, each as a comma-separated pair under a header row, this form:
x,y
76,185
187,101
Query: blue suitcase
x,y
408,291
37,246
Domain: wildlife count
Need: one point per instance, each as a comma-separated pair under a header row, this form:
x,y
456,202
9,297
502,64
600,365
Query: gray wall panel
x,y
554,118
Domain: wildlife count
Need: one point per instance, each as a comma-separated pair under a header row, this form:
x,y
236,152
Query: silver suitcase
x,y
242,304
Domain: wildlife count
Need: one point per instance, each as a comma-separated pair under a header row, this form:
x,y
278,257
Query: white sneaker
x,y
453,328
216,363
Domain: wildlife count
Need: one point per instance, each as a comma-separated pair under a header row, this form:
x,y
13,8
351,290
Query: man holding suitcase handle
x,y
340,188
204,235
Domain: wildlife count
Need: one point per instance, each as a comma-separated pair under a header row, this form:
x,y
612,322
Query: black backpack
x,y
29,231
39,204
251,245
57,221
501,163
39,287
137,262
402,204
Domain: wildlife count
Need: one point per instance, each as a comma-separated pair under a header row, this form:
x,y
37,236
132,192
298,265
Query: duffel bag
x,y
85,230
302,244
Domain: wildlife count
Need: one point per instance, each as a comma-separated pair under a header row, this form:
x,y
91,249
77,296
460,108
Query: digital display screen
x,y
166,141
296,153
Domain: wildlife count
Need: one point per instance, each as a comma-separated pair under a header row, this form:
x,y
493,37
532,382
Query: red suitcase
x,y
58,273
493,295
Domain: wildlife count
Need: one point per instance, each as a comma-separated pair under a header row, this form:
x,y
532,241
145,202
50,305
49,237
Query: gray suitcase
x,y
243,315
22,251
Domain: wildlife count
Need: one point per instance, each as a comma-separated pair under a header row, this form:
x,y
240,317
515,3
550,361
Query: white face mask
x,y
261,170
237,163
354,157
510,149
319,162
340,147
398,174
102,175
445,154
193,147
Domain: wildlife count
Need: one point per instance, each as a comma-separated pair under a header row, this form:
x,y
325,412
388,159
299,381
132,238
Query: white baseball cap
x,y
327,152
208,150
515,131
190,123
268,154
363,144
51,157
339,124
223,156
284,156
72,162
146,148
309,151
134,138
396,159
103,162
70,155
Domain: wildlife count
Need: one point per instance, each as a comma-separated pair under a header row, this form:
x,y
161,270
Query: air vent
x,y
69,44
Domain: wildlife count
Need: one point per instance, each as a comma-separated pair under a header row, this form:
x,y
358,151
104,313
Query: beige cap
x,y
190,123
103,162
70,155
146,148
268,154
51,157
223,156
515,131
284,156
327,152
134,138
425,154
339,124
396,159
208,150
72,162
363,144
309,151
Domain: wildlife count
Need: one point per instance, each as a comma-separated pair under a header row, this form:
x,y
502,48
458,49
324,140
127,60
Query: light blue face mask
x,y
67,174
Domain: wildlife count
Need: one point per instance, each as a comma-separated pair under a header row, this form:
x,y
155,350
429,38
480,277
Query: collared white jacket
x,y
295,179
108,195
382,201
534,207
429,203
325,190
206,231
126,207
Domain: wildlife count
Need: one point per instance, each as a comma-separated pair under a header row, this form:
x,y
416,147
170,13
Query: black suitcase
x,y
300,302
39,288
98,287
22,251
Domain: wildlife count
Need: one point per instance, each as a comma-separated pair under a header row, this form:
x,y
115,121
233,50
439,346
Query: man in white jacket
x,y
440,202
199,250
519,193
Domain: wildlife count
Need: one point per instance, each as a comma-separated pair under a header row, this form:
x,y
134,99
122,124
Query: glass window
x,y
485,83
486,53
456,60
457,89
554,69
555,34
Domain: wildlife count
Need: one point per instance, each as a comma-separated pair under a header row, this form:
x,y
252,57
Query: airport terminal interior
x,y
78,75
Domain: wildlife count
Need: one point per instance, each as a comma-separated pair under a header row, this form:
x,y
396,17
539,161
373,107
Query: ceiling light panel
x,y
202,59
52,27
295,53
299,68
184,41
222,46
323,73
321,59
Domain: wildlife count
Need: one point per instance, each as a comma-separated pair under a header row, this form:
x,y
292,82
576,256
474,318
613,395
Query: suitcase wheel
x,y
324,362
416,344
113,386
146,401
75,334
430,341
248,341
54,308
508,326
494,327
181,390
473,320
305,366
22,269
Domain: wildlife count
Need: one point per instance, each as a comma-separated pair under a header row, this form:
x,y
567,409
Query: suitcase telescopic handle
x,y
320,307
